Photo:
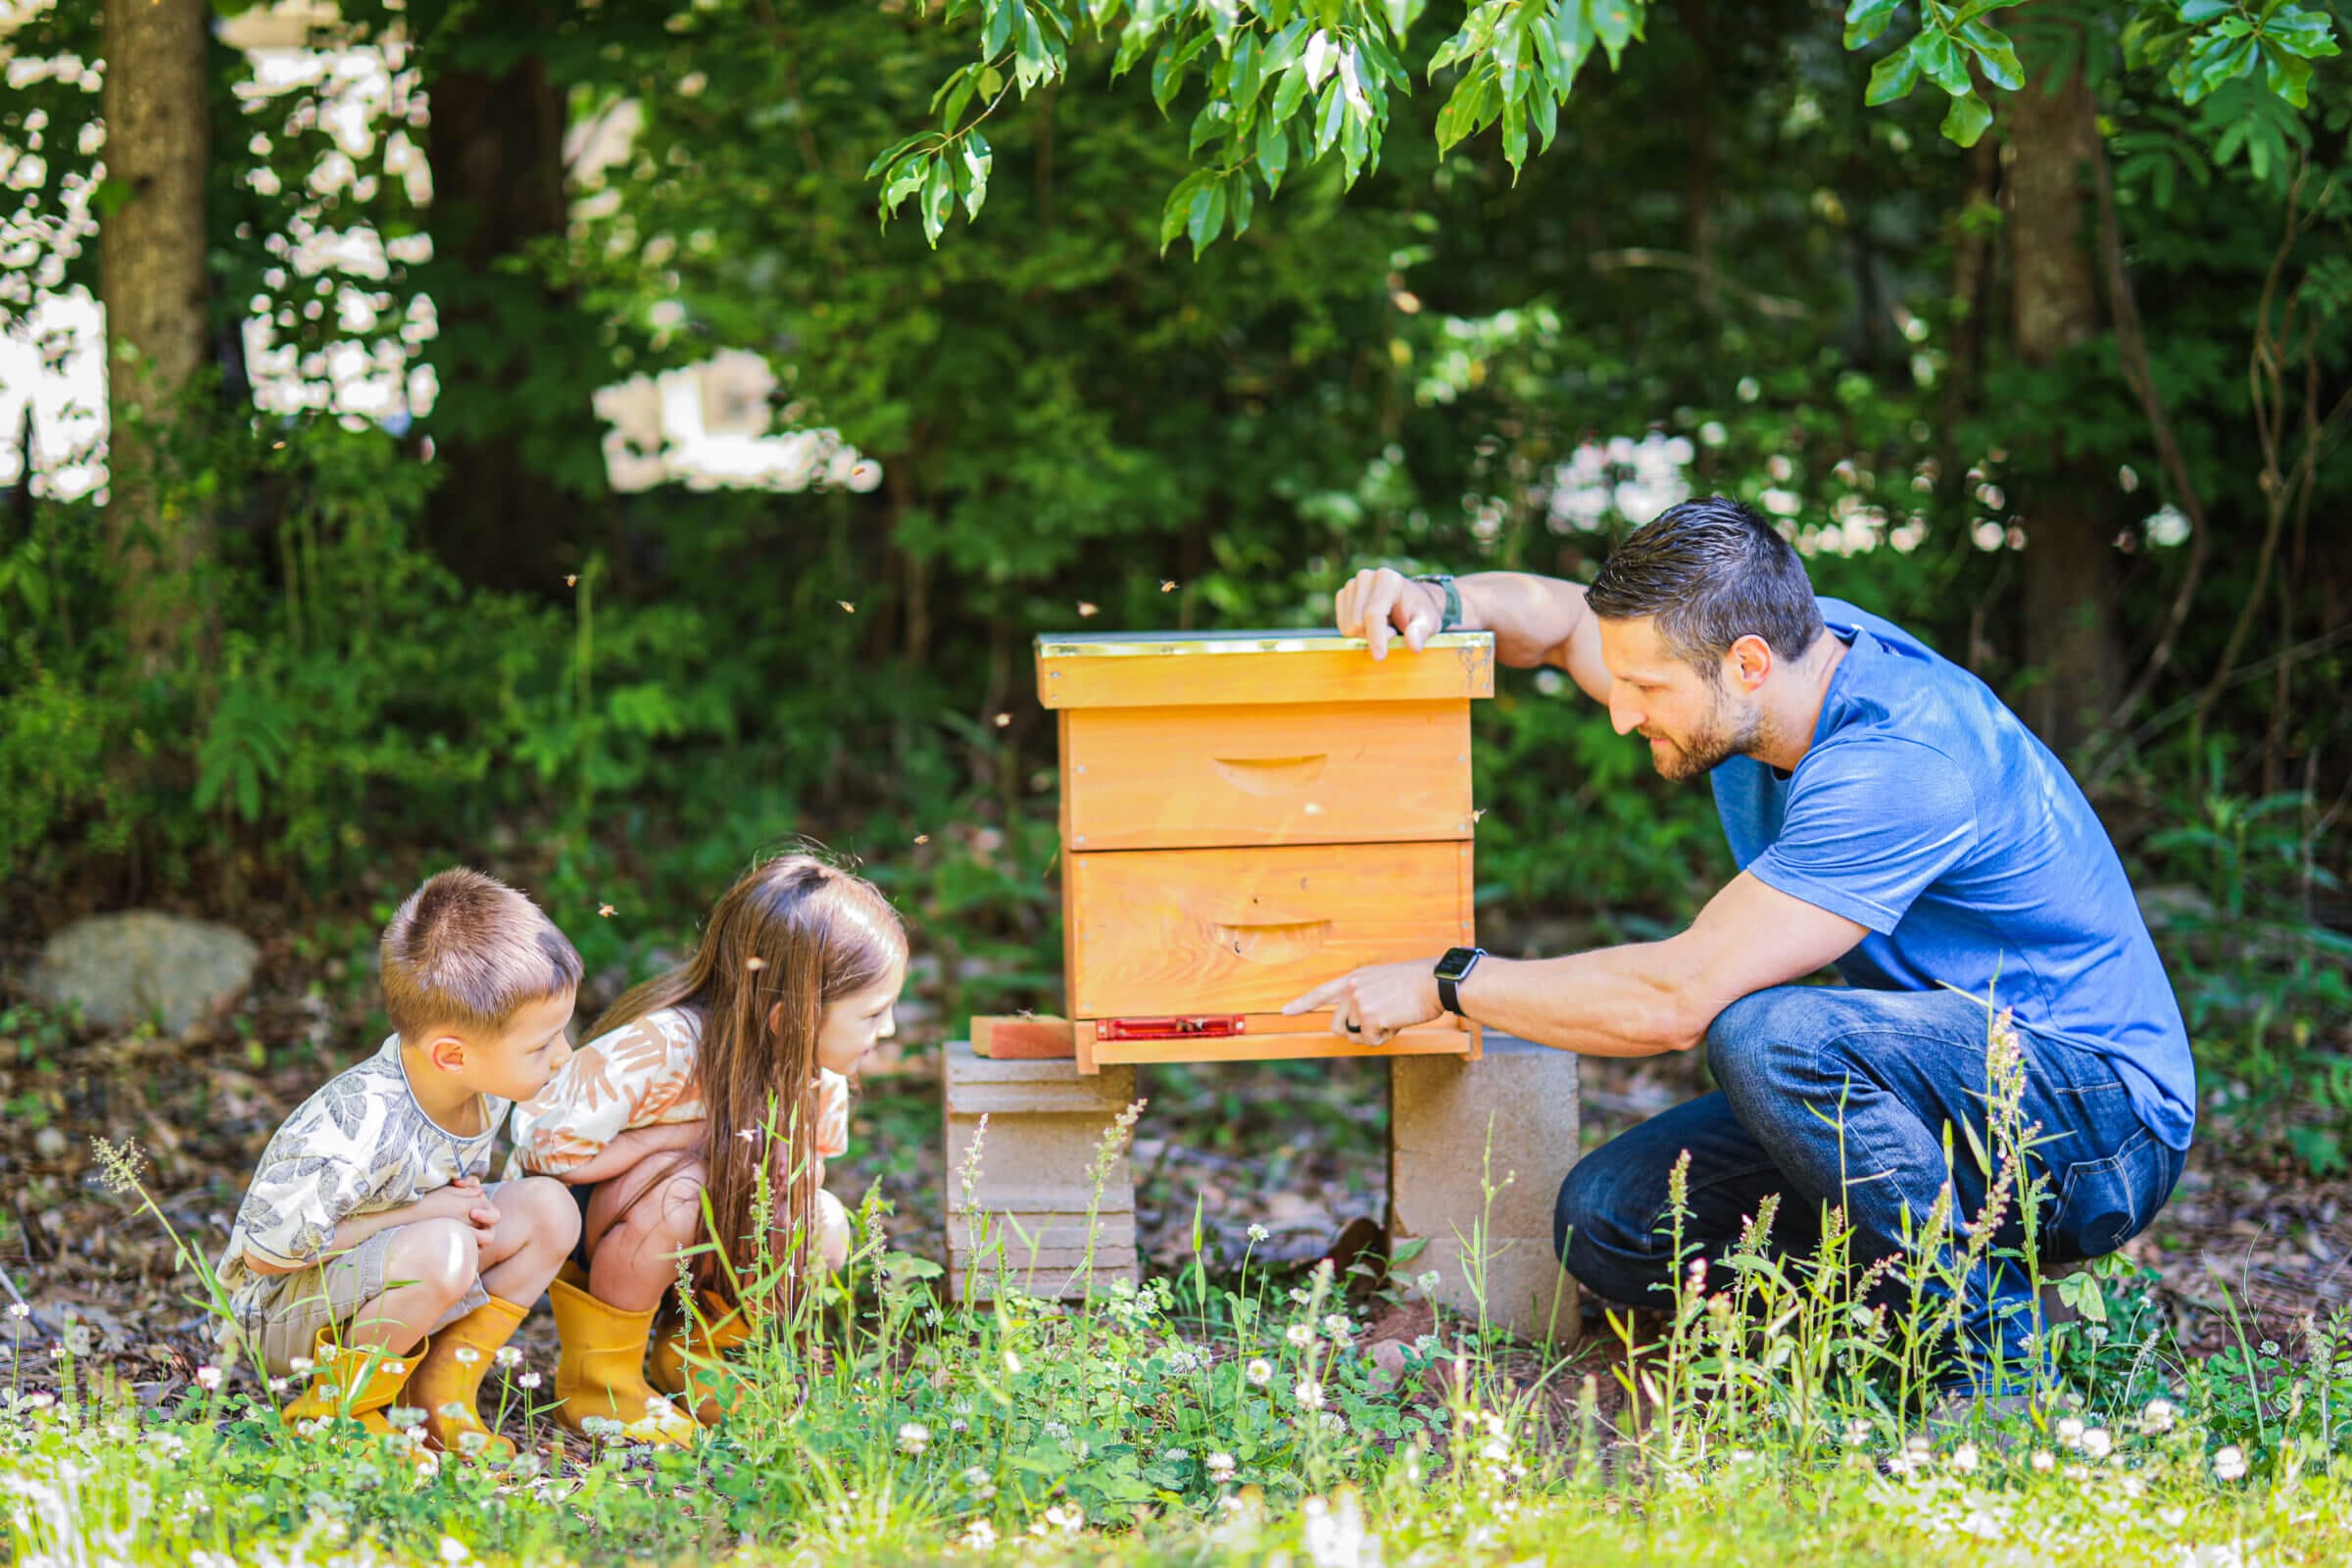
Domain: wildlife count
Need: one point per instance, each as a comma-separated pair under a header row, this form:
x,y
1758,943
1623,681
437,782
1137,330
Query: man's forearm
x,y
1613,1001
1529,615
1535,621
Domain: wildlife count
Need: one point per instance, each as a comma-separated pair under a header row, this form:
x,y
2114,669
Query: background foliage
x,y
1746,264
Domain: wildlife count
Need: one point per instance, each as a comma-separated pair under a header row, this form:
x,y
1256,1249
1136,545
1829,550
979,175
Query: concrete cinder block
x,y
1506,1122
1026,1218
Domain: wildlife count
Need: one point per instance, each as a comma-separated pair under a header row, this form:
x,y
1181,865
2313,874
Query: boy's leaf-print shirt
x,y
359,1144
641,1074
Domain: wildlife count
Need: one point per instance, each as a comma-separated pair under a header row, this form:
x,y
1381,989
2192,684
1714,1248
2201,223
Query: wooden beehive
x,y
1248,815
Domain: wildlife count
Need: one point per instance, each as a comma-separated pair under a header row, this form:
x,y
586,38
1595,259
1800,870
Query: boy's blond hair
x,y
468,952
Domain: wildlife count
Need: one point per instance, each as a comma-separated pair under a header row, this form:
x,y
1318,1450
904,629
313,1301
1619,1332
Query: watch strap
x,y
1453,617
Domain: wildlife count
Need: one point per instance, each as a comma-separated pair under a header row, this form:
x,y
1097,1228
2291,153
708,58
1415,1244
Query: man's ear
x,y
775,1017
447,1053
1750,659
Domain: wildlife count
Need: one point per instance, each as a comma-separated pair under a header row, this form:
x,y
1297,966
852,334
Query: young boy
x,y
368,1227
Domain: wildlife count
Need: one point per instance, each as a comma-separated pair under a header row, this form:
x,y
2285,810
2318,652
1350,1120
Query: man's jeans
x,y
1833,1096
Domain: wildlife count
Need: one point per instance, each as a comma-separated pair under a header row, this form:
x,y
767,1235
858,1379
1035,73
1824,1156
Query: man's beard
x,y
1725,733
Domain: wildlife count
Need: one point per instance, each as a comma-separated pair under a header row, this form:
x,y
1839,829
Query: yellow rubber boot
x,y
600,1372
341,1382
448,1379
686,1361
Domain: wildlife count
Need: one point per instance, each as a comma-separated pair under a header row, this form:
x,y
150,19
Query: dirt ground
x,y
1297,1149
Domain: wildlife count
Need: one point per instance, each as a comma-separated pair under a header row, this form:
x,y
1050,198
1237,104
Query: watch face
x,y
1456,963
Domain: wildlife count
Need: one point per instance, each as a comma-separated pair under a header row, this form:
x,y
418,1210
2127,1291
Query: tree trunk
x,y
151,251
499,518
2070,559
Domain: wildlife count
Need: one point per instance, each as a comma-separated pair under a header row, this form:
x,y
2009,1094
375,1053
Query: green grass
x,y
1232,1417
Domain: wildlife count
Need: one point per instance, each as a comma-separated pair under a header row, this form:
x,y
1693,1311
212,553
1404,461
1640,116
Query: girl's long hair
x,y
791,936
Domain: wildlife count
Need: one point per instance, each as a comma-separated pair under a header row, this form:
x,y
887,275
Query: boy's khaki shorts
x,y
285,1322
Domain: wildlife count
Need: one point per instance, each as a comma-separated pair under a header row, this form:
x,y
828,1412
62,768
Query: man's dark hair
x,y
1711,572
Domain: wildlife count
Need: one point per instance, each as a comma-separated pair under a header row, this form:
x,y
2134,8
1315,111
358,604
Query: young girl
x,y
672,1101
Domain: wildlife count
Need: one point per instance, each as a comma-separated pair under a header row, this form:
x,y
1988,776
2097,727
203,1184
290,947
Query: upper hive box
x,y
1246,814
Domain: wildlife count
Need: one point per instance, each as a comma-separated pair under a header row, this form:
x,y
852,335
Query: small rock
x,y
125,967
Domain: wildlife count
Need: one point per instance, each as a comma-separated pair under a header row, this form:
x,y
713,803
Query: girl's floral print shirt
x,y
641,1074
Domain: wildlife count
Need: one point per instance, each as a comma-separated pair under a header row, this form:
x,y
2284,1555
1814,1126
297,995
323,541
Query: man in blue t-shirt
x,y
1892,819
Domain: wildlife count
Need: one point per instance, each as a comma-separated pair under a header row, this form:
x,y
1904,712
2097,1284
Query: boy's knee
x,y
549,1212
441,1256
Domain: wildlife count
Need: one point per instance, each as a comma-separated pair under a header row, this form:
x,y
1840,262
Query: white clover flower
x,y
1964,1459
1857,1431
506,1355
1175,1455
1258,1233
474,1441
1309,1392
280,1385
960,1426
2270,1347
19,1310
976,1476
1066,1517
454,1411
405,1416
300,1364
1429,1279
1332,1422
2044,1461
980,1535
1055,1429
1299,1334
1299,1297
208,1377
1495,1451
913,1439
2098,1442
1261,1371
396,1369
467,1354
1221,1467
2070,1432
527,1381
2230,1464
454,1549
2158,1417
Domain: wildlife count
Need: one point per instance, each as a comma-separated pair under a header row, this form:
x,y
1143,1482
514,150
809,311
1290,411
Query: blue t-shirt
x,y
1928,812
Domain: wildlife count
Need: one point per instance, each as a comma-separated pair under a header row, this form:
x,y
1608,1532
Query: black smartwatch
x,y
1450,617
1453,970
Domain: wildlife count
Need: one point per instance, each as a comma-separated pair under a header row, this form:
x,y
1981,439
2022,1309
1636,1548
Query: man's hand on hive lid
x,y
1378,605
1372,1004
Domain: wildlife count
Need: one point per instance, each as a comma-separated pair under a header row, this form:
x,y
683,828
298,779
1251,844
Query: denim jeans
x,y
1833,1096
